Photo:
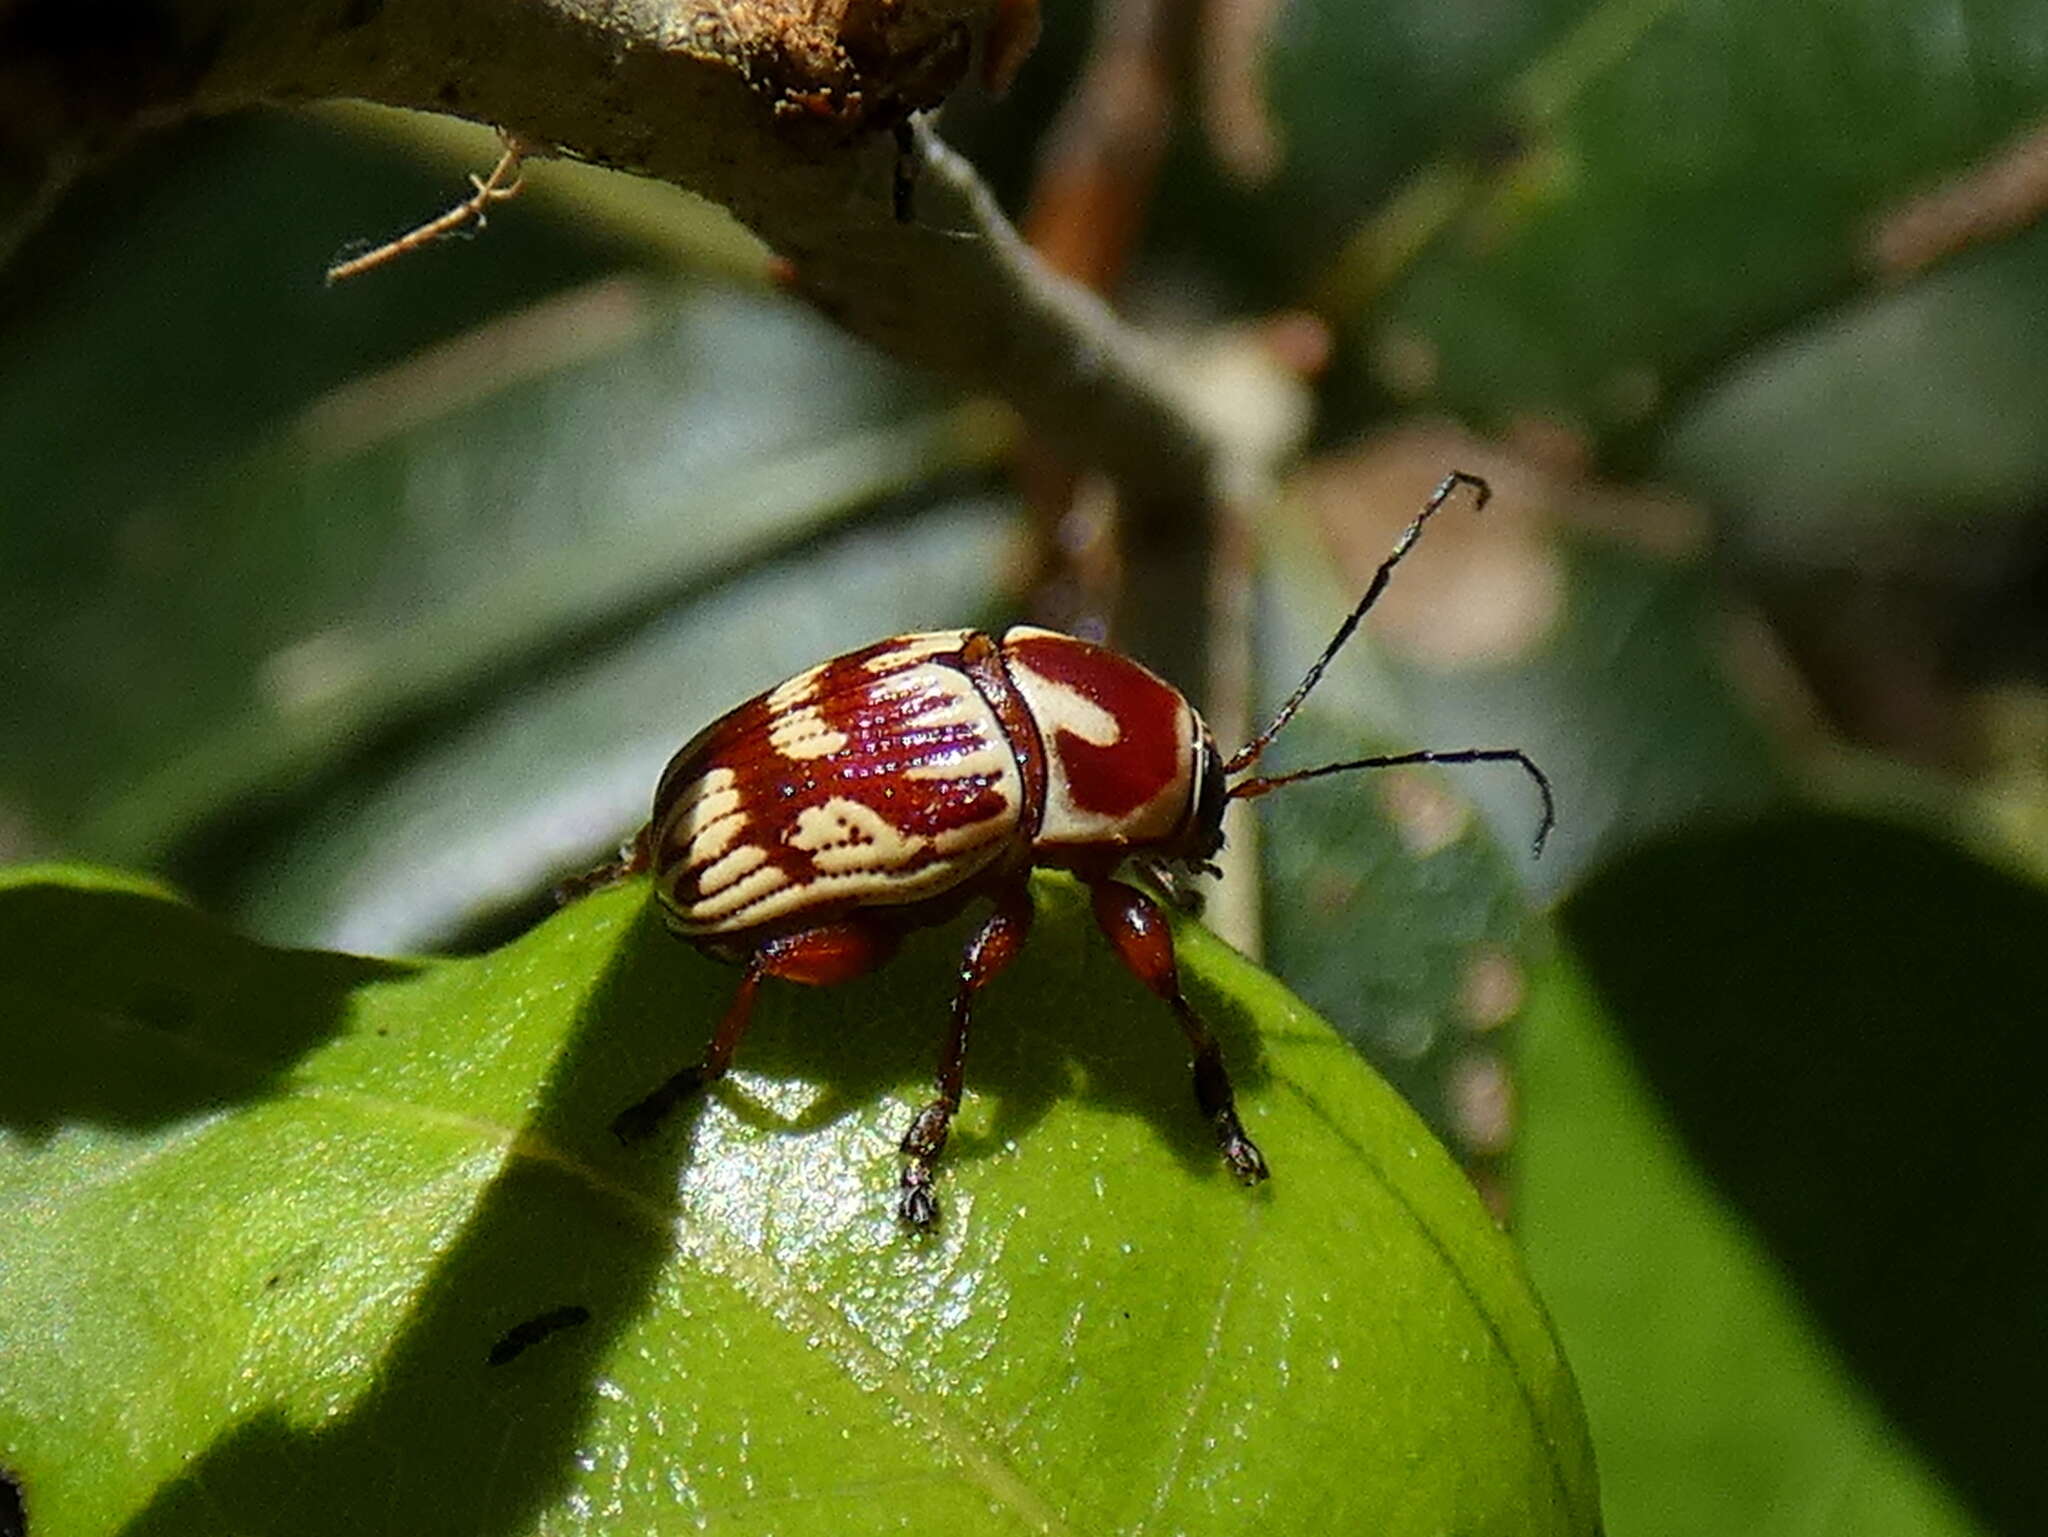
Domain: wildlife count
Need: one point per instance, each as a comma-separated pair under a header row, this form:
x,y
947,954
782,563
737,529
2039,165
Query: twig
x,y
495,188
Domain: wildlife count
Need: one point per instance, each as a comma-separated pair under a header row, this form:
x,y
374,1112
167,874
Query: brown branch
x,y
781,110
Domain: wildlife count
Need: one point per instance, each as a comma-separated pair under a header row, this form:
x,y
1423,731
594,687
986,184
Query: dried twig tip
x,y
503,182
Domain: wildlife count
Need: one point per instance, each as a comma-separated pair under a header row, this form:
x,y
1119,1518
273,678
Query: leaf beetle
x,y
804,833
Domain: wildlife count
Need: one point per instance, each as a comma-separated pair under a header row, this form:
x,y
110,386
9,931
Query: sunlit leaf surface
x,y
303,1243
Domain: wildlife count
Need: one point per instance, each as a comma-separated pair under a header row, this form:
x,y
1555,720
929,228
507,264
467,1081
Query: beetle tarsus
x,y
1239,1151
919,1207
637,1122
923,1144
634,858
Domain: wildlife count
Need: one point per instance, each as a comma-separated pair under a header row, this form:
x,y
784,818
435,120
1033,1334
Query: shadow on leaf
x,y
128,1010
457,1434
1844,1018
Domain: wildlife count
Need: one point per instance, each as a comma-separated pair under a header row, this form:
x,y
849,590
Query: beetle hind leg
x,y
1138,932
816,957
641,1120
993,947
634,858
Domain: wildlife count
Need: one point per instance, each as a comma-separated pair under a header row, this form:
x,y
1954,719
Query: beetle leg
x,y
817,957
634,857
1138,932
991,949
637,1122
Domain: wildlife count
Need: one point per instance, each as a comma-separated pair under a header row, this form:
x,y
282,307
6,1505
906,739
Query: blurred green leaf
x,y
1844,1020
1357,96
270,1215
385,561
174,311
1383,894
1669,181
1904,429
1715,1402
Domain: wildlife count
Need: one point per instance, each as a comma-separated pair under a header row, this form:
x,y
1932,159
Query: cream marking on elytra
x,y
956,702
798,690
744,860
906,650
843,835
753,887
983,761
714,838
772,901
850,845
804,734
714,795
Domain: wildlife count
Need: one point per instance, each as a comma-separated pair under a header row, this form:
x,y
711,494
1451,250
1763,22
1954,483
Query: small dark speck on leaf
x,y
520,1338
360,13
13,1514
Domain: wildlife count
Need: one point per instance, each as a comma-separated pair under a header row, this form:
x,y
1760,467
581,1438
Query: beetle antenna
x,y
1251,789
1248,754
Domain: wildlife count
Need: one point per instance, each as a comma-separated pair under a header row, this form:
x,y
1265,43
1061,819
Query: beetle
x,y
803,834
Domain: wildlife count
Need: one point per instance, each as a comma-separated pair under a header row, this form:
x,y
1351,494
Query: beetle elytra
x,y
802,834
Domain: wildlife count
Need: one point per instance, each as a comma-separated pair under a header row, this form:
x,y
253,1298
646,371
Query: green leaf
x,y
1843,1019
1891,429
1718,1405
266,1216
1666,182
390,524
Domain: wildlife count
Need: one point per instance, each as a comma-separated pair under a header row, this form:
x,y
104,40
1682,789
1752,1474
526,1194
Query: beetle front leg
x,y
991,949
1139,934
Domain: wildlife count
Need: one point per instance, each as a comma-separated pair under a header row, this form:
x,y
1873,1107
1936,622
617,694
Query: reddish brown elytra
x,y
804,833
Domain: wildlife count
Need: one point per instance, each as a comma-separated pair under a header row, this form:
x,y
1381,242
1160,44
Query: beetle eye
x,y
1205,825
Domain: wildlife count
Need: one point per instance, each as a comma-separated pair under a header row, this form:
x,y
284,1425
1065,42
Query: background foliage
x,y
363,614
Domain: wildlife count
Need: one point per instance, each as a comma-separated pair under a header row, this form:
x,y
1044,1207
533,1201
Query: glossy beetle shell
x,y
917,768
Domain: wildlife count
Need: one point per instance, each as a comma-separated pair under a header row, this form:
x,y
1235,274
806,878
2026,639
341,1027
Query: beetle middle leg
x,y
817,957
993,947
1138,932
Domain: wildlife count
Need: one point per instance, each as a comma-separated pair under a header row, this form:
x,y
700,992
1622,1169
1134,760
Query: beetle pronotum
x,y
802,834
